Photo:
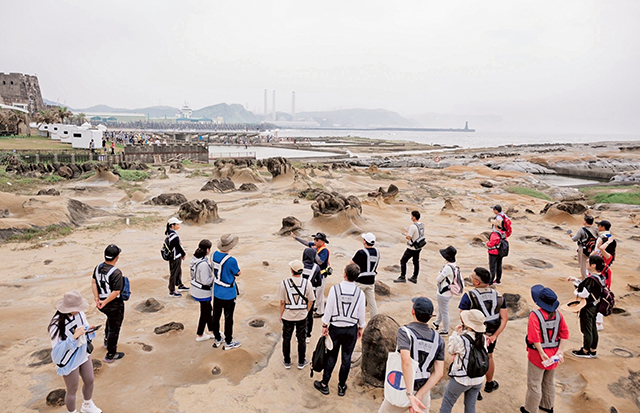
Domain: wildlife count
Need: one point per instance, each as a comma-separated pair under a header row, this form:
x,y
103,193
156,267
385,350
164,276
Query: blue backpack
x,y
126,289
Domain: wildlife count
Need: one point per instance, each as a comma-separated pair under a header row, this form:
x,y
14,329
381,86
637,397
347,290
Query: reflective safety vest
x,y
194,275
549,329
423,351
372,263
308,272
479,301
347,304
325,265
295,295
102,281
460,365
217,273
70,326
420,227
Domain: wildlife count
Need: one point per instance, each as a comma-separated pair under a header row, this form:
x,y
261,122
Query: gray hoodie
x,y
201,273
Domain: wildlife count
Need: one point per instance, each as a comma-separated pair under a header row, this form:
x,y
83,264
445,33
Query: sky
x,y
570,65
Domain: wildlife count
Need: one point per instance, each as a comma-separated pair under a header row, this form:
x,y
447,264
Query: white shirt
x,y
445,273
331,307
455,347
414,234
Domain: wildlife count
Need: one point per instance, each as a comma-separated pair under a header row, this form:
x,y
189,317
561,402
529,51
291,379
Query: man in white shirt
x,y
415,242
343,321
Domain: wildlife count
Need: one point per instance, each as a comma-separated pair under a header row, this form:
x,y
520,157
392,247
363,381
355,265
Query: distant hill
x,y
357,118
230,113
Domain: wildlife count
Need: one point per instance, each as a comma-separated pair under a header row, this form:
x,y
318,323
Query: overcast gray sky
x,y
570,64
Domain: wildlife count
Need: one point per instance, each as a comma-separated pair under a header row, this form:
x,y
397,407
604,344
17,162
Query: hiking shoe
x,y
204,337
303,365
400,279
182,287
491,386
342,390
89,407
110,358
104,343
413,280
480,396
231,346
497,283
322,388
286,365
174,294
582,353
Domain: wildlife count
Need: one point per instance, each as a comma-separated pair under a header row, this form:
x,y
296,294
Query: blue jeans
x,y
454,390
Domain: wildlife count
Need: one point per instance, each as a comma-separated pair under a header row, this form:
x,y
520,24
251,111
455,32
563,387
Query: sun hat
x,y
174,220
422,305
321,236
71,302
474,319
545,298
575,305
369,237
111,252
296,266
497,208
449,253
227,241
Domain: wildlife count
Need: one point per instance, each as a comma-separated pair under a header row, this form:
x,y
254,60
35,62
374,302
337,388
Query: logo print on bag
x,y
394,378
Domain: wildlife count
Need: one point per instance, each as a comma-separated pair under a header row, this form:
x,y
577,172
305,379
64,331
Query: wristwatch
x,y
411,393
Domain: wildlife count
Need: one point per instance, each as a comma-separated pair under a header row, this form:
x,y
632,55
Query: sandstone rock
x,y
55,398
517,306
265,263
331,203
151,305
65,172
80,212
387,196
572,208
534,262
378,339
372,169
41,357
168,327
87,167
451,204
97,365
290,224
50,192
167,199
543,241
520,166
392,268
382,289
296,201
176,167
627,177
486,184
199,212
276,166
565,194
528,211
216,370
248,186
219,185
47,262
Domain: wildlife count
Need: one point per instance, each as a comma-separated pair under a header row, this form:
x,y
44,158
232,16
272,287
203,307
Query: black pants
x,y
175,274
228,306
287,332
345,338
115,315
588,327
206,317
310,320
409,254
495,266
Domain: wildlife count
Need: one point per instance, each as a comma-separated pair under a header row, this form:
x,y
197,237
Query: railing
x,y
235,155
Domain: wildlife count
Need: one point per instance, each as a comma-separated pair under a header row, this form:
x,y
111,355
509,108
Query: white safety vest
x,y
297,301
217,272
347,305
102,281
372,262
549,330
194,275
70,326
491,313
462,366
423,351
420,227
308,272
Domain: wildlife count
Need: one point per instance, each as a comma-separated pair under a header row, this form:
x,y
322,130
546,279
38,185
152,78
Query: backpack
x,y
316,279
319,357
503,245
589,244
166,252
607,302
506,224
126,289
421,241
478,360
457,286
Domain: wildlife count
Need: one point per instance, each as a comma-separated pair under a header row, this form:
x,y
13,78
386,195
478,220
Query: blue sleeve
x,y
465,302
323,255
61,349
233,266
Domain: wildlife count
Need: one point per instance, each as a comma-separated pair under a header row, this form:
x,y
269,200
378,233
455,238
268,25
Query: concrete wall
x,y
166,153
18,88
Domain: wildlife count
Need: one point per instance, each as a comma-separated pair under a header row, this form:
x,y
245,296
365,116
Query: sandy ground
x,y
176,374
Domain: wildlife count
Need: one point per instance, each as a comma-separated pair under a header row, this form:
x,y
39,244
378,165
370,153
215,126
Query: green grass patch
x,y
519,190
132,176
623,194
198,173
129,188
46,233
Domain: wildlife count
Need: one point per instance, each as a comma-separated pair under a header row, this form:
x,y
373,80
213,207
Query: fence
x,y
235,155
50,158
166,153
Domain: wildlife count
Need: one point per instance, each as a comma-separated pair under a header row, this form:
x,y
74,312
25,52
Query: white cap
x,y
369,238
174,220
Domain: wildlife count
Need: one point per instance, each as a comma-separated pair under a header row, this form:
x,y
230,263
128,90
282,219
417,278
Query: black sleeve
x,y
116,282
175,244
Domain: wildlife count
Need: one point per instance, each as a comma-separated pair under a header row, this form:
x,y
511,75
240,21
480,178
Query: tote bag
x,y
395,389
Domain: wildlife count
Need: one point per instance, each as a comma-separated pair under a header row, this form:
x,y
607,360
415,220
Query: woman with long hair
x,y
178,255
71,348
202,288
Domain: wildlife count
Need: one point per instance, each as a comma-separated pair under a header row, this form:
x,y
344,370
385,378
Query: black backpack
x,y
319,358
503,245
478,360
166,252
589,244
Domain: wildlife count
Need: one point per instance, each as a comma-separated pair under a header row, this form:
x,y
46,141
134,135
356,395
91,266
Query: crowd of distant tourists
x,y
417,364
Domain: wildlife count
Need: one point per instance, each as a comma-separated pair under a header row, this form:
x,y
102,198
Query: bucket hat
x,y
474,319
71,302
227,241
545,298
449,253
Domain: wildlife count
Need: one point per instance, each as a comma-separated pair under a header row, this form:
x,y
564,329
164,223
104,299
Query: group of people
x,y
342,310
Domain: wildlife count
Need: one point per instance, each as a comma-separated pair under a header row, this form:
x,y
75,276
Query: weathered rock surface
x,y
167,199
276,166
199,212
219,185
50,192
150,305
382,289
520,166
387,196
176,167
290,224
168,327
41,357
65,172
55,398
248,187
534,262
564,194
598,168
517,306
572,208
451,204
543,241
331,203
378,339
80,212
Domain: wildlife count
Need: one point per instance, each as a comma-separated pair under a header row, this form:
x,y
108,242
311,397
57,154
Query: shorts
x,y
491,347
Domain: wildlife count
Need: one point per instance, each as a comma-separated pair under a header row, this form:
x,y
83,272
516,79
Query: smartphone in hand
x,y
569,232
91,330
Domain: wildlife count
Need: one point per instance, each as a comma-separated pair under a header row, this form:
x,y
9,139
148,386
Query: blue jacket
x,y
69,351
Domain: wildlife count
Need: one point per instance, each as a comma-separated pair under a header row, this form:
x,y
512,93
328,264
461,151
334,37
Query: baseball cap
x,y
296,266
174,220
369,237
111,252
604,223
422,305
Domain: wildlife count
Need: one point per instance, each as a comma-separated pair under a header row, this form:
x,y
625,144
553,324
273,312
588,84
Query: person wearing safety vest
x,y
547,334
368,259
225,290
415,237
417,342
296,299
343,321
494,308
322,259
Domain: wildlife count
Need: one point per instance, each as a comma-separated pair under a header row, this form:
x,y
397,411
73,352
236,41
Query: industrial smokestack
x,y
274,105
293,105
265,104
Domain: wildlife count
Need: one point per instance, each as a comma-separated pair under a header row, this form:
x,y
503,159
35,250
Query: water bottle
x,y
550,361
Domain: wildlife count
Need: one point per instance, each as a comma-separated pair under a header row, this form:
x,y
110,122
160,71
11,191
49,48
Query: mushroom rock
x,y
290,224
331,203
248,187
378,339
199,212
167,199
219,185
517,306
276,166
388,196
151,305
451,204
572,208
382,289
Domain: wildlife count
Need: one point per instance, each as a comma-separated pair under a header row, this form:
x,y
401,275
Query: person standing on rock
x,y
343,321
225,290
202,288
368,259
586,238
493,247
415,242
179,255
547,334
494,308
311,272
320,242
106,284
419,343
68,331
296,299
445,279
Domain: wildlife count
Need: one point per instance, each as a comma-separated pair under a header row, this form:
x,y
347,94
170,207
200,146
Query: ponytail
x,y
57,326
203,246
479,341
166,231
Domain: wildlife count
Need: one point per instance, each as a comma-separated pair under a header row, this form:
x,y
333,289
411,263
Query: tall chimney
x,y
274,105
265,104
293,105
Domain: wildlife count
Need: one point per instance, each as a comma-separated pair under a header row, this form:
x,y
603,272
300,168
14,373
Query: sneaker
x,y
582,353
89,407
303,365
436,326
286,365
308,340
110,358
443,333
231,346
316,315
480,396
413,280
182,287
216,342
204,337
546,410
523,410
593,354
400,279
174,294
491,386
322,388
342,390
497,283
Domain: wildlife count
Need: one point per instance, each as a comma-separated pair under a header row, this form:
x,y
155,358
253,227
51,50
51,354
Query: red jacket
x,y
494,240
